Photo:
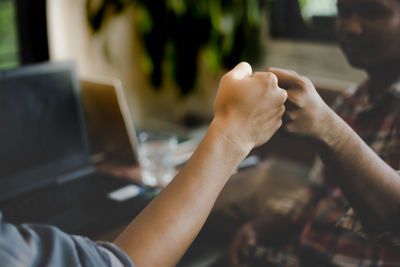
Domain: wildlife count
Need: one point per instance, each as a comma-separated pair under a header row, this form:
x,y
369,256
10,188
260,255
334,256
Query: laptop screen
x,y
42,133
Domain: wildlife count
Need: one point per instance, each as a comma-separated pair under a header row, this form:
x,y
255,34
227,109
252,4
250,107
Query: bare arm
x,y
369,183
163,231
371,186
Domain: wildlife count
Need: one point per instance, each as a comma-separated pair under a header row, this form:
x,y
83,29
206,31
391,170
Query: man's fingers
x,y
286,78
242,70
292,72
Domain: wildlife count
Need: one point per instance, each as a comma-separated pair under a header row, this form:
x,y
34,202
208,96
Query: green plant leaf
x,y
143,19
175,31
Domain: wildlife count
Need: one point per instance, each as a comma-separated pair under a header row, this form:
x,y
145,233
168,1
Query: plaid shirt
x,y
333,232
333,235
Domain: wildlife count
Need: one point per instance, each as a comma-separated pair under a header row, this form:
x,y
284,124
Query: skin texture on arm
x,y
248,111
371,185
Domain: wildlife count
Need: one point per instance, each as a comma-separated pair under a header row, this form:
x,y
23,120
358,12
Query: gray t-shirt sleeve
x,y
43,245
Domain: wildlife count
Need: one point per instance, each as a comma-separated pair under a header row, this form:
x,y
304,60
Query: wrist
x,y
229,134
322,123
331,129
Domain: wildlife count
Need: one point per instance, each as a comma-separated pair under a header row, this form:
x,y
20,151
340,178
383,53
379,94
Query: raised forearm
x,y
371,186
160,235
248,111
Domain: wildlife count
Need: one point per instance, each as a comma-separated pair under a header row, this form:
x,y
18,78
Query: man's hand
x,y
241,251
306,112
353,165
249,107
272,230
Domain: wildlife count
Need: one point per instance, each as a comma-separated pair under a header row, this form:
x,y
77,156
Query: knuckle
x,y
301,82
272,77
302,103
299,103
305,79
283,109
284,95
307,82
279,124
297,100
244,64
268,77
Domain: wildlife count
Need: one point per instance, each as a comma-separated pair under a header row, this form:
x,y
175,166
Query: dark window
x,y
23,32
32,31
304,19
9,50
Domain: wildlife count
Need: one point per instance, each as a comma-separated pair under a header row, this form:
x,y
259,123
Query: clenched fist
x,y
249,106
306,112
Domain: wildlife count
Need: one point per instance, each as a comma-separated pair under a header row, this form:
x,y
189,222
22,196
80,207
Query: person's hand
x,y
306,112
272,230
249,106
242,248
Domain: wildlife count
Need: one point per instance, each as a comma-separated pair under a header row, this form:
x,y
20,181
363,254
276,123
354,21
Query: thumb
x,y
241,70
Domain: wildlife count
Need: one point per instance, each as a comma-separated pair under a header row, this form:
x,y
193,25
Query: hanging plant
x,y
177,30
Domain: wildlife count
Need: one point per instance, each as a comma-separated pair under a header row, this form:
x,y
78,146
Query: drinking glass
x,y
156,156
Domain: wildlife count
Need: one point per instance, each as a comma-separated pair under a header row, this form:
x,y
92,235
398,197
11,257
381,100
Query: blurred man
x,y
353,215
162,232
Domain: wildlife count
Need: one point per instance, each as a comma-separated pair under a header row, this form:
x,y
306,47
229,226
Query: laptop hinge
x,y
74,175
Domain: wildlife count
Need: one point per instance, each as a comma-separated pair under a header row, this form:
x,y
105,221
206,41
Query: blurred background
x,y
171,54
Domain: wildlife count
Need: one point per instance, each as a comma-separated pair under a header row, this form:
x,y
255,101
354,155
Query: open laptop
x,y
45,170
112,135
111,131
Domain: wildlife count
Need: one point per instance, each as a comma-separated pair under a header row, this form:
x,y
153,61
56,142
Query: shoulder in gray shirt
x,y
43,245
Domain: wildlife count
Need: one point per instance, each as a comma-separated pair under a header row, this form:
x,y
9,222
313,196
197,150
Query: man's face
x,y
369,32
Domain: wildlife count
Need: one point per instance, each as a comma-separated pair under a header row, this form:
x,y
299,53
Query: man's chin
x,y
358,63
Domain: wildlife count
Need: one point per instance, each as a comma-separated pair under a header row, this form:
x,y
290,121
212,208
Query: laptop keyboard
x,y
84,193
